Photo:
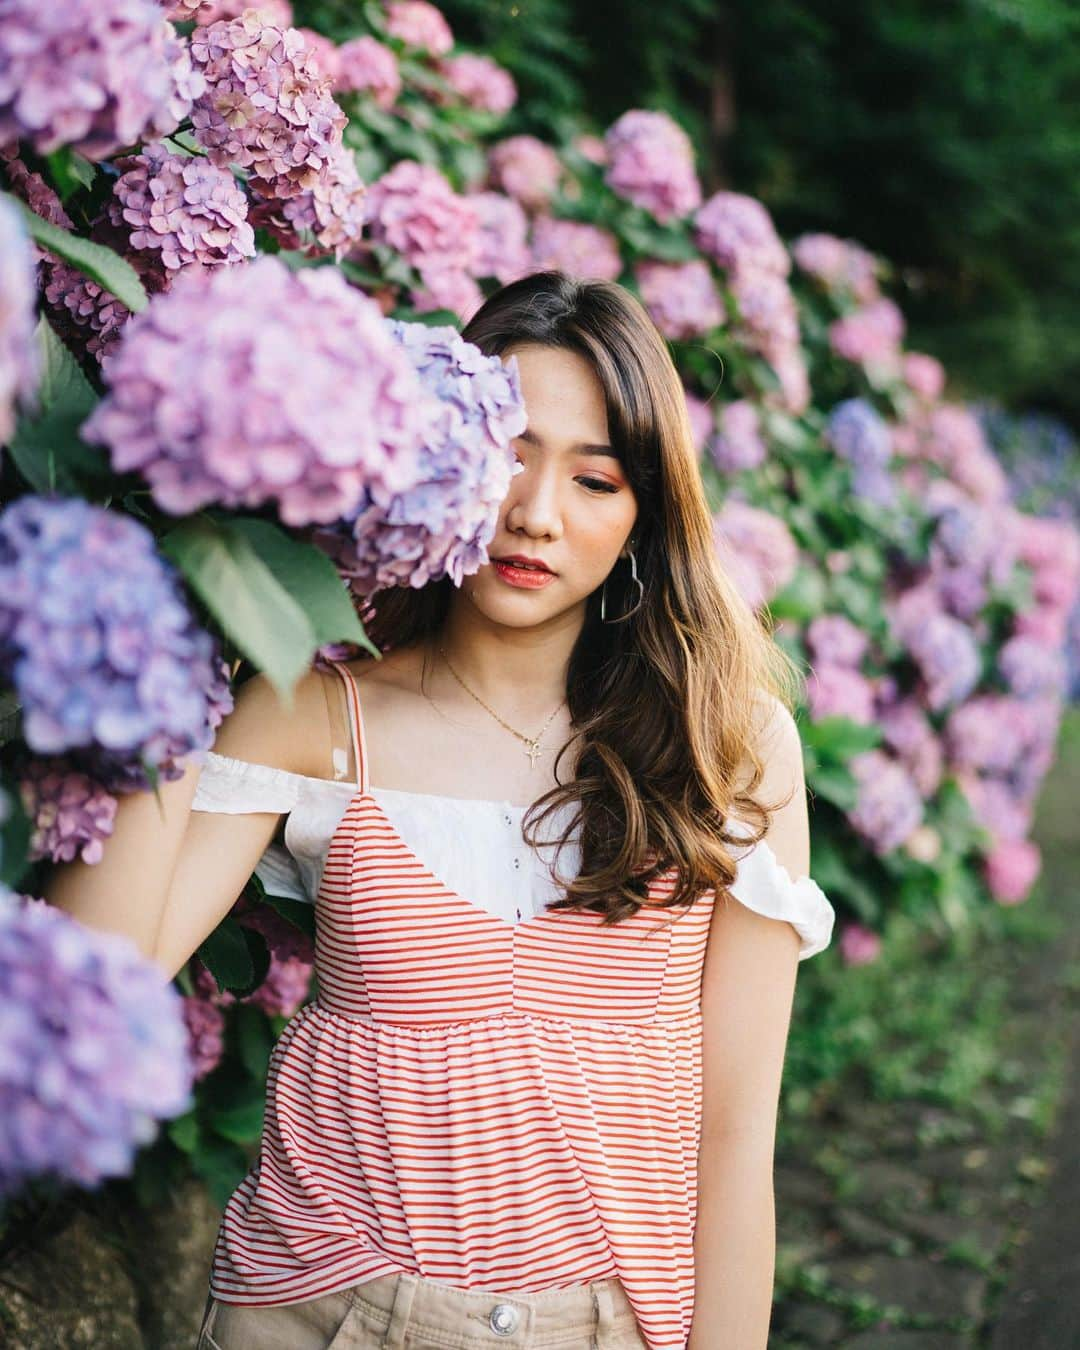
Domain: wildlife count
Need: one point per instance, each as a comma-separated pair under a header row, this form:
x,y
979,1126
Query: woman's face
x,y
570,507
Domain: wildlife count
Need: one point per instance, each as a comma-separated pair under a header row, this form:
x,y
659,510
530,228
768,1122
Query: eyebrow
x,y
581,448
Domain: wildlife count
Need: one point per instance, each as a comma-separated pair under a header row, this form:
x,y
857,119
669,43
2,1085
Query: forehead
x,y
564,399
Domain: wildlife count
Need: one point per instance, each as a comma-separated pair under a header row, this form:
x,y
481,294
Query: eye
x,y
598,484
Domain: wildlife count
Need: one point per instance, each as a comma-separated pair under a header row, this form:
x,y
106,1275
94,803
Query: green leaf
x,y
839,738
239,1124
311,578
95,261
298,912
184,1132
254,1040
46,447
222,1164
69,171
255,610
15,833
226,955
835,784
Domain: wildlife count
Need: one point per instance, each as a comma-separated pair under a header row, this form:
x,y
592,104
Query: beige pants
x,y
408,1312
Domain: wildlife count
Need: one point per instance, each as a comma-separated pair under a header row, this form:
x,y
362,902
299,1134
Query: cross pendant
x,y
532,749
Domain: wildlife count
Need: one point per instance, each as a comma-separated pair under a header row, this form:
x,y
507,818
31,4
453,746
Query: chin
x,y
501,605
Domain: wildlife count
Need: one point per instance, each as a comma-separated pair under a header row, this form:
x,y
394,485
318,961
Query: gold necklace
x,y
532,743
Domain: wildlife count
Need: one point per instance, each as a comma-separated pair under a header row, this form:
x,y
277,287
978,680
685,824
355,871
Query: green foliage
x,y
99,263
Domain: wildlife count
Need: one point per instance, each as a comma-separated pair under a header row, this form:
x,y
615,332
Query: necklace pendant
x,y
532,749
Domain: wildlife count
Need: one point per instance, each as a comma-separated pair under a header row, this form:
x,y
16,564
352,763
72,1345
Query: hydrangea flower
x,y
93,1049
292,962
987,734
650,162
869,336
840,691
1031,669
88,316
205,1023
526,169
326,218
839,264
419,24
91,74
738,233
756,548
575,247
205,12
769,316
454,290
738,442
995,806
480,82
182,208
858,433
366,66
443,524
789,366
324,50
503,249
924,375
96,638
414,209
701,419
834,640
252,384
947,655
889,808
681,298
267,107
71,815
18,349
1011,869
859,945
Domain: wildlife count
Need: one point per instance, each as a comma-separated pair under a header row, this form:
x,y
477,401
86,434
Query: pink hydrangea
x,y
204,12
245,385
859,945
87,315
454,290
793,395
575,247
181,208
995,806
870,336
324,51
738,233
414,209
94,75
650,162
419,24
292,956
840,691
839,264
756,549
889,808
590,147
738,443
18,349
503,248
988,733
1011,870
205,1024
367,66
527,169
834,640
955,440
70,815
769,316
326,218
267,106
480,82
924,375
681,297
701,420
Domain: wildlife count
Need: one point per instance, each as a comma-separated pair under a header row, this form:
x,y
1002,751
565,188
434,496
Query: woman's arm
x,y
748,986
170,875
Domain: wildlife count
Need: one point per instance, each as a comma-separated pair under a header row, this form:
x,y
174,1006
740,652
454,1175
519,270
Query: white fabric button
x,y
517,863
508,819
503,1319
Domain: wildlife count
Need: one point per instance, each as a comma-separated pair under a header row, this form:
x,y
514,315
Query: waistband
x,y
449,1315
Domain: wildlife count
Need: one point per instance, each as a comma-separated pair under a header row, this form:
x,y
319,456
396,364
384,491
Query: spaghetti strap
x,y
356,724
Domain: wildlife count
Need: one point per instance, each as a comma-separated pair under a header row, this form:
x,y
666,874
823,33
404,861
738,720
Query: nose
x,y
532,504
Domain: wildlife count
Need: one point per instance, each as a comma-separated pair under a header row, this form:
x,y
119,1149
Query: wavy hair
x,y
664,705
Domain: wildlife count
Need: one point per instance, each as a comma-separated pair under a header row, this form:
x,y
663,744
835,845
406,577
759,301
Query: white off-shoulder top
x,y
473,845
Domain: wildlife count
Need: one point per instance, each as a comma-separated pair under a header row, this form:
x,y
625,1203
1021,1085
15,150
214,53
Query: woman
x,y
534,1101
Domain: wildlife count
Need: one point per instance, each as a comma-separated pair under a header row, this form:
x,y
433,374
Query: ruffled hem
x,y
236,786
764,885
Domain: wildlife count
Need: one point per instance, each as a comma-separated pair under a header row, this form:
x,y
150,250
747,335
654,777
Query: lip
x,y
518,577
522,558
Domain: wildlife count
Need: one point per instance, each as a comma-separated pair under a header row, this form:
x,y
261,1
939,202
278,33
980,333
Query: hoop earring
x,y
637,582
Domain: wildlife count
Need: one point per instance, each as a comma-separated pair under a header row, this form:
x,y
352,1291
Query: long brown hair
x,y
666,706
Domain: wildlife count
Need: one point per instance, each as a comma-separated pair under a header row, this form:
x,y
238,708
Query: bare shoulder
x,y
386,683
265,728
777,745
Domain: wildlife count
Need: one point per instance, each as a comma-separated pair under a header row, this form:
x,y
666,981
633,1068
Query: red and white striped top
x,y
492,1105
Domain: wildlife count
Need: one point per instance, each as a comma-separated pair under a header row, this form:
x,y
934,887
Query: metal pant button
x,y
503,1319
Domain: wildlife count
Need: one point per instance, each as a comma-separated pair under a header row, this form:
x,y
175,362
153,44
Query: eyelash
x,y
601,485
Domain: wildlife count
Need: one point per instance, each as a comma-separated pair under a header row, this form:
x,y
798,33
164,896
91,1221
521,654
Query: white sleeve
x,y
764,885
236,787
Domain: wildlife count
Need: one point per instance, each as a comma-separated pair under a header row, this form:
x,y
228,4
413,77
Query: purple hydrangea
x,y
575,247
414,209
738,442
440,526
420,25
480,82
267,106
91,74
526,169
181,208
326,218
205,1023
701,419
738,233
210,11
681,298
839,691
287,982
70,814
987,734
97,640
503,249
18,349
93,1049
650,162
1031,669
366,66
869,336
756,548
834,640
889,807
769,316
858,433
947,656
454,290
839,264
251,384
89,317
